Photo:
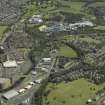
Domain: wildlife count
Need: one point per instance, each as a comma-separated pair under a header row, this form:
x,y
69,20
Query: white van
x,y
22,90
28,87
38,81
31,83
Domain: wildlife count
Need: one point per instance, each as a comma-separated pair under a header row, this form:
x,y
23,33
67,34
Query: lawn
x,y
67,52
71,93
2,29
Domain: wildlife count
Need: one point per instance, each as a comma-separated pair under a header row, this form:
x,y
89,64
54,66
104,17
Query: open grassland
x,y
67,52
71,93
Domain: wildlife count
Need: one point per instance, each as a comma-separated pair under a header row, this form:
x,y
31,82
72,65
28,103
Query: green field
x,y
74,7
2,29
100,28
72,93
66,6
67,52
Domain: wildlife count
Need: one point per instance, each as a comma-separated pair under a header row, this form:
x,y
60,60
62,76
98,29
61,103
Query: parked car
x,y
31,83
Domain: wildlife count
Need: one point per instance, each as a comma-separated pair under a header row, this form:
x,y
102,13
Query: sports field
x,y
67,52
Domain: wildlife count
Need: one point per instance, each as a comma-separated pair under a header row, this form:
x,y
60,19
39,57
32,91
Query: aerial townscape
x,y
52,52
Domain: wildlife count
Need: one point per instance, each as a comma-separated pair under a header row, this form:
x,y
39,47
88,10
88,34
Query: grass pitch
x,y
67,52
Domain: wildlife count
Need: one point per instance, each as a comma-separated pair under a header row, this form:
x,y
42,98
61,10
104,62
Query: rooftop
x,y
10,64
10,94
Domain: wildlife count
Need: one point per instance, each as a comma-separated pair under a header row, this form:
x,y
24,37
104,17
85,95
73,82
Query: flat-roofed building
x,y
10,64
9,70
10,94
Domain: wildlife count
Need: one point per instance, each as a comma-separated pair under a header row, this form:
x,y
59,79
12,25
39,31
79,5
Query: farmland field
x,y
74,7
